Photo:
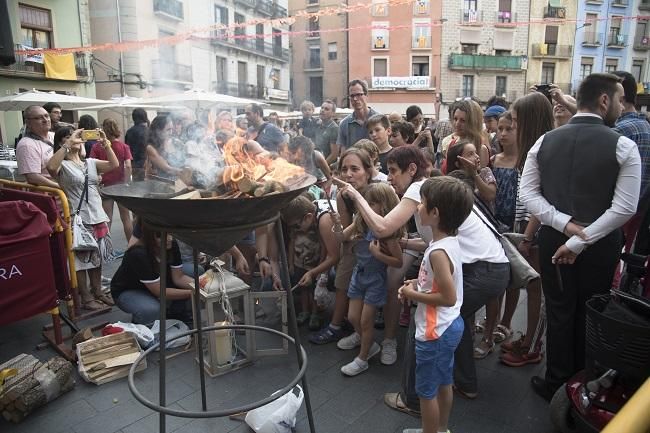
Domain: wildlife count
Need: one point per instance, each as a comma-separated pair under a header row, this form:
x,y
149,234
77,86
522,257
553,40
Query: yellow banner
x,y
59,66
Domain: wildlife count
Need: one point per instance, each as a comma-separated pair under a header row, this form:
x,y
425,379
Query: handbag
x,y
278,416
521,272
82,238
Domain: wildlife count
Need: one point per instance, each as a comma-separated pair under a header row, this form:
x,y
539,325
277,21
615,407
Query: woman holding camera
x,y
79,179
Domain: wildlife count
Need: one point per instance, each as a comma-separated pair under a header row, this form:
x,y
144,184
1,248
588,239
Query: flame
x,y
240,163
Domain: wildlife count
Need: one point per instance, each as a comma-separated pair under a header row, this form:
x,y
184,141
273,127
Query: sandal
x,y
483,349
479,326
106,299
501,334
394,401
93,305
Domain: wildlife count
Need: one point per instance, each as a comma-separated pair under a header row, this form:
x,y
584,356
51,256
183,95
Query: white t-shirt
x,y
381,177
413,192
432,320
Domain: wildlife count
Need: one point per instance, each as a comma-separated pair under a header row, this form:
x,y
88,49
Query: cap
x,y
494,111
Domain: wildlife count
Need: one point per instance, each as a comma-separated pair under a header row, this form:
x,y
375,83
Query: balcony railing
x,y
616,40
313,63
171,71
555,12
642,42
482,62
247,3
169,8
505,18
620,3
471,16
592,39
221,37
552,50
25,65
241,90
270,8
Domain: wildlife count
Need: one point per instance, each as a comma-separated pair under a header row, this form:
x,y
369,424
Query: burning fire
x,y
250,173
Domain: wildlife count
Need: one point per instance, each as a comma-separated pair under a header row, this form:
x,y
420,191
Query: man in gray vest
x,y
582,182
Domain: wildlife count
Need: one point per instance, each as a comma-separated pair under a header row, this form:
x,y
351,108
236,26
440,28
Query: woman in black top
x,y
136,284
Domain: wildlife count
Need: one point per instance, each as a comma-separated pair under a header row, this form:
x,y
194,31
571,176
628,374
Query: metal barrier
x,y
634,417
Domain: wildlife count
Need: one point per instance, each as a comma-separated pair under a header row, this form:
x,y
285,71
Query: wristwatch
x,y
263,259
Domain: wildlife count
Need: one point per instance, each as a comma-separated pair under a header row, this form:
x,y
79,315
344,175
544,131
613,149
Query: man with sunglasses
x,y
34,150
353,127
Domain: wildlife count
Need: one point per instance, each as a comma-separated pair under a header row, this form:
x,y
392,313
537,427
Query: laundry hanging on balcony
x,y
60,66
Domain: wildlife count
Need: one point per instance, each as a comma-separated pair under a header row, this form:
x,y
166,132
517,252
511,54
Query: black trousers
x,y
566,289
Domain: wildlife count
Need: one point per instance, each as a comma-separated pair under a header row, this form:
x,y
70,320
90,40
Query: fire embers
x,y
256,175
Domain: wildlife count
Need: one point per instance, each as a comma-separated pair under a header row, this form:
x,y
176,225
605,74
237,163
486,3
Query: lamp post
x,y
573,51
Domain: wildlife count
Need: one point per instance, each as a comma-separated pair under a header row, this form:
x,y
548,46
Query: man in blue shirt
x,y
635,126
353,127
269,136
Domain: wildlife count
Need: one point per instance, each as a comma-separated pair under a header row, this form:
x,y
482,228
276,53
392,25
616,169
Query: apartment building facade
x,y
44,24
604,39
319,66
641,44
250,62
396,49
484,49
551,42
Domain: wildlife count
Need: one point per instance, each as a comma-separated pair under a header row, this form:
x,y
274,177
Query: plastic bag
x,y
174,327
143,334
322,296
278,416
82,239
214,280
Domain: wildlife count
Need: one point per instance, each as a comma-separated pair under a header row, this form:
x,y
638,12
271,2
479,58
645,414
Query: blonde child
x,y
446,203
367,289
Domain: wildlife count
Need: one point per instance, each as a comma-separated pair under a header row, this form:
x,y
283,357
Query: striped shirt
x,y
431,321
635,126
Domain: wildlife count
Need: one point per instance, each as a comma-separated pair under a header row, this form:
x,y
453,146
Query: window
x,y
314,28
259,40
505,5
637,70
332,51
379,38
502,52
504,15
501,86
468,86
379,8
421,33
221,17
380,67
277,42
222,70
550,39
469,5
586,66
615,36
316,90
421,7
470,14
240,31
35,27
469,48
314,57
548,72
275,76
420,66
611,65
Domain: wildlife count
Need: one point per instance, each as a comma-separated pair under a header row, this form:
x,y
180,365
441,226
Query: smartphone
x,y
545,89
89,135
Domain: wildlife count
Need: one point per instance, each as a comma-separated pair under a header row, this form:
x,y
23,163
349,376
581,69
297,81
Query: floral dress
x,y
504,203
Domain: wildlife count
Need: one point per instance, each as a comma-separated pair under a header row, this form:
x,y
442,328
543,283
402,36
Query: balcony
x,y
169,9
592,39
277,94
620,3
616,40
244,90
552,51
246,3
471,17
505,19
257,46
555,12
642,43
644,5
270,9
313,64
25,67
482,62
164,70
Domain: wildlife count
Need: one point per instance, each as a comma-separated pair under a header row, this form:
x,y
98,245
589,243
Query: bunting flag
x,y
59,66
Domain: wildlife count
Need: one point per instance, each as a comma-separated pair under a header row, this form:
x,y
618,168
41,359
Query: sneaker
x,y
355,367
512,344
374,349
350,342
379,319
521,357
326,335
389,351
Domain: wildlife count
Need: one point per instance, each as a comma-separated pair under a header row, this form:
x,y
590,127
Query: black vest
x,y
578,168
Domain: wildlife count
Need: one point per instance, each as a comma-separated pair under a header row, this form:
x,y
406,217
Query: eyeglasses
x,y
43,117
356,95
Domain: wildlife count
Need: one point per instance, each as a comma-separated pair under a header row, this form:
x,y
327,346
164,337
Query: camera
x,y
545,89
89,135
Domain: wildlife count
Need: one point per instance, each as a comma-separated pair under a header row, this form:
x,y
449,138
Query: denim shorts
x,y
435,361
369,286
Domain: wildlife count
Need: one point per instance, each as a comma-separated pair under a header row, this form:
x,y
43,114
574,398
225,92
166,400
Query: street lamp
x,y
573,51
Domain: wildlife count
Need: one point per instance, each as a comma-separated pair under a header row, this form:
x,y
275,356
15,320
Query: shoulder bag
x,y
82,238
521,272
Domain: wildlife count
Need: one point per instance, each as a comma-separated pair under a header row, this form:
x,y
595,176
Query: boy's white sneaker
x,y
355,367
350,342
389,351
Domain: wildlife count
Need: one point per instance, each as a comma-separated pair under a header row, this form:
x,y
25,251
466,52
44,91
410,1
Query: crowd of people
x,y
403,225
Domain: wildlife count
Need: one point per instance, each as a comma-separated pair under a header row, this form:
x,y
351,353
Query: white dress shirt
x,y
624,202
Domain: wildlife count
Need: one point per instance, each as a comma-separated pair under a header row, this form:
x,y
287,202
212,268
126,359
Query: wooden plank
x,y
108,353
103,342
116,361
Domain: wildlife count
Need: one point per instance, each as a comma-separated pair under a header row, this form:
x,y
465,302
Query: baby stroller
x,y
617,348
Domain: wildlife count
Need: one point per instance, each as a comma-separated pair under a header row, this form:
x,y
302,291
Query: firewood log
x,y
247,185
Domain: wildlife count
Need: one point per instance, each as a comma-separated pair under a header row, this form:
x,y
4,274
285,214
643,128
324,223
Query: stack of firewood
x,y
105,359
34,384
